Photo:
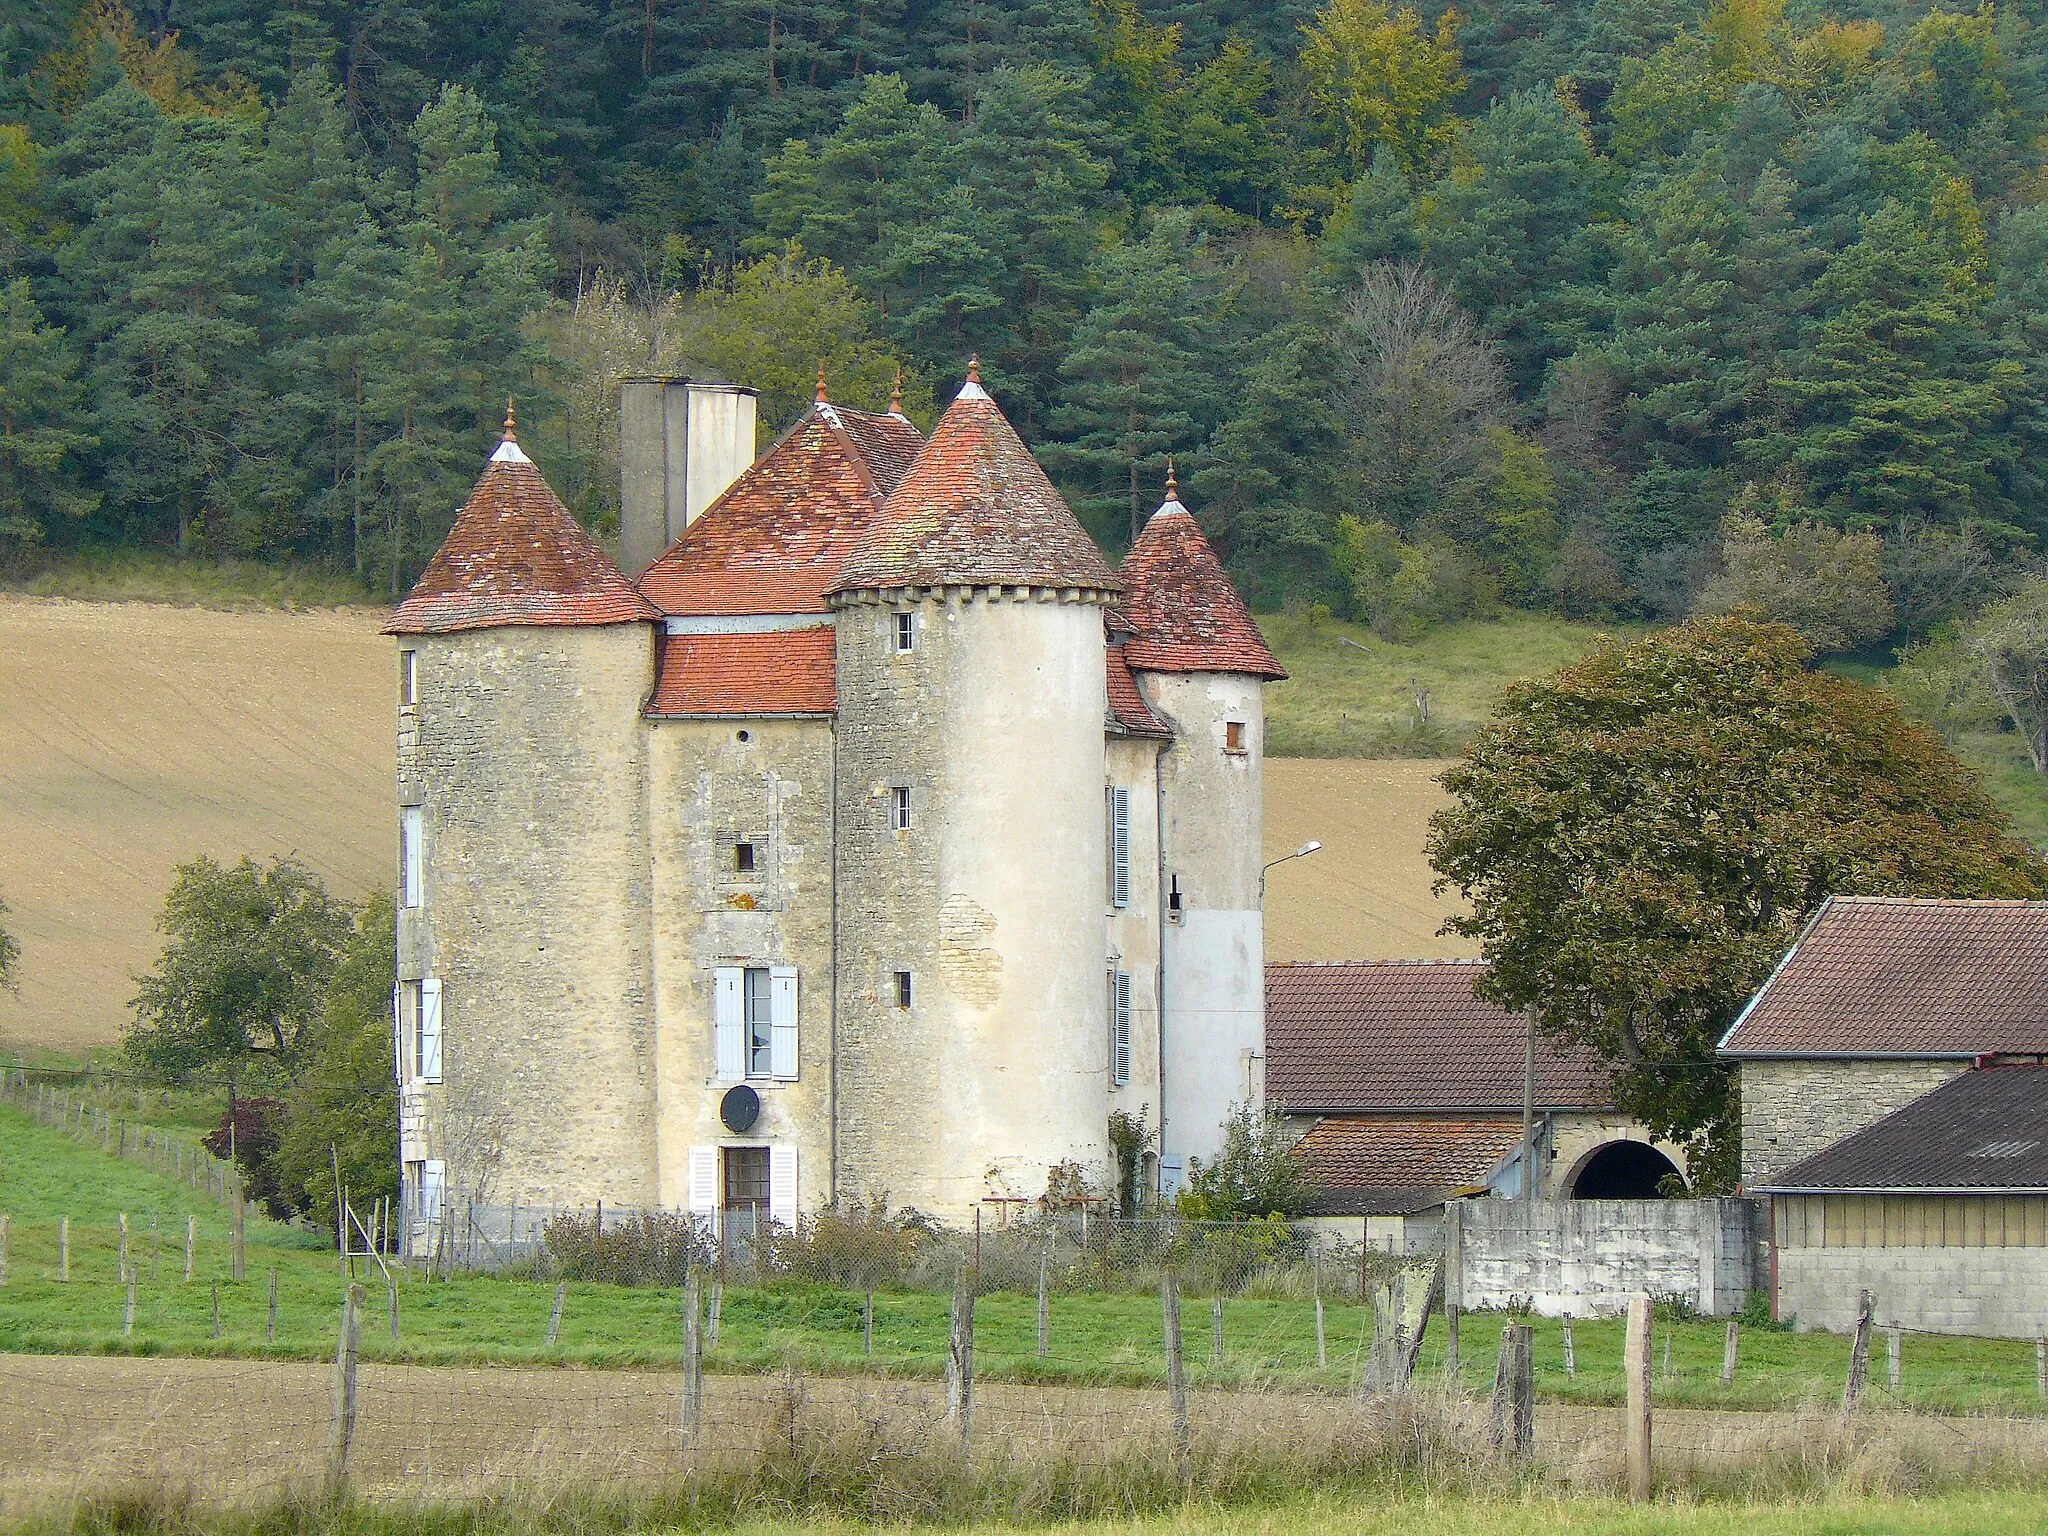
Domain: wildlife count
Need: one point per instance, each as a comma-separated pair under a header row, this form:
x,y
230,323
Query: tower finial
x,y
821,381
974,368
511,423
1172,485
896,393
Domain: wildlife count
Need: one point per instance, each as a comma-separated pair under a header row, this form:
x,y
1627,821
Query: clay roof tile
x,y
1188,616
790,672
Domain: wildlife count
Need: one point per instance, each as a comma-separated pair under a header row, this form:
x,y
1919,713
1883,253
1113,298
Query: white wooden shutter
x,y
782,1186
433,1188
1120,846
430,1029
782,1058
398,1041
1120,1030
704,1181
412,857
729,1021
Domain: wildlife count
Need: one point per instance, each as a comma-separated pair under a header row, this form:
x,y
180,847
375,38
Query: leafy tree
x,y
1254,1174
1827,584
1642,834
248,955
2010,642
1379,78
42,436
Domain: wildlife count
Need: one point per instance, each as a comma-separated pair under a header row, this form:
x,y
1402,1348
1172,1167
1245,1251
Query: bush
x,y
248,1136
1827,584
1255,1174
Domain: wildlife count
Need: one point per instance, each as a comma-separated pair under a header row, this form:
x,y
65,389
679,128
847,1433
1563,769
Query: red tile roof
x,y
775,540
789,672
1127,708
516,556
1188,616
1394,1165
1407,1037
975,510
1905,976
1984,1130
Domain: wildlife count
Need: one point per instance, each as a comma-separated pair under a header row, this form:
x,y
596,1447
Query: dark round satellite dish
x,y
739,1109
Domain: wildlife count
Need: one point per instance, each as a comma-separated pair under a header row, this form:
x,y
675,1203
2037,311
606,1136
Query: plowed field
x,y
134,736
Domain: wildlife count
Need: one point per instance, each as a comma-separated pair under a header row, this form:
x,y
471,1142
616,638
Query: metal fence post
x,y
1176,1376
1636,1373
344,1432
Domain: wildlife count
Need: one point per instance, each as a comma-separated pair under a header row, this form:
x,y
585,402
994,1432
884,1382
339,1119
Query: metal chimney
x,y
681,443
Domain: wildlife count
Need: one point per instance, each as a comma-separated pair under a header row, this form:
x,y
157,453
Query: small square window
x,y
899,809
903,989
906,631
743,858
408,679
1233,736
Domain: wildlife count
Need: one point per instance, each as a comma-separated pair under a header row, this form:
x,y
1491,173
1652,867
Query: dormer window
x,y
906,631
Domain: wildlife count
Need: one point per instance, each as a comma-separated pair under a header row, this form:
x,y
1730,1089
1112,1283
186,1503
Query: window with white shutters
x,y
729,1021
782,1057
411,857
703,1191
430,1030
1120,1029
406,1010
782,1186
1118,834
433,1189
754,1021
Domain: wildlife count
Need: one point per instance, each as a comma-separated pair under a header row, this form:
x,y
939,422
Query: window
x,y
433,1189
1118,837
427,1038
754,1021
906,631
405,1007
1233,736
743,858
903,989
408,679
739,1190
411,856
1120,1029
899,808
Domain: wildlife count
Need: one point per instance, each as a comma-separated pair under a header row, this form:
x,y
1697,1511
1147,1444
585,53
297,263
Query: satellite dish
x,y
739,1109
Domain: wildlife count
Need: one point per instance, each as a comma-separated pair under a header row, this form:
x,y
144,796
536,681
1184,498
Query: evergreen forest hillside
x,y
1620,309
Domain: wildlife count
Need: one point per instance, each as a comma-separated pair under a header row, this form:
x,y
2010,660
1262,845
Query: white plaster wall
x,y
1587,1257
1134,930
1214,960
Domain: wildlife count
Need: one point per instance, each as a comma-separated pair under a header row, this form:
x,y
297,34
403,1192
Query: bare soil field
x,y
134,736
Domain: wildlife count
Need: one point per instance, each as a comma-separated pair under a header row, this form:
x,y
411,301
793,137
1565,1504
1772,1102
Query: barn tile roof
x,y
1128,711
774,541
975,509
789,672
1984,1130
516,556
1905,976
1390,1166
1408,1037
1187,614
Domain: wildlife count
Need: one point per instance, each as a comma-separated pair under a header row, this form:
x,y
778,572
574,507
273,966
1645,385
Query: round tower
x,y
971,768
1202,667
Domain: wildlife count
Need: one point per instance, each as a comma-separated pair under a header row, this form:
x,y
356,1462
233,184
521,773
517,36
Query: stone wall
x,y
1587,1257
527,756
1792,1109
716,784
1986,1292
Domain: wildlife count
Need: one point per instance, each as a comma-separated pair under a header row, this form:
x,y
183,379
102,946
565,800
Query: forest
x,y
1617,308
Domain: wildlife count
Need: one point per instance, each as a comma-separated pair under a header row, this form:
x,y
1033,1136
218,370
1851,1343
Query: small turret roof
x,y
515,556
975,510
1187,614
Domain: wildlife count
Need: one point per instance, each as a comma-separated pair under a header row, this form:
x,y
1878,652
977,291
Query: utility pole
x,y
1529,1105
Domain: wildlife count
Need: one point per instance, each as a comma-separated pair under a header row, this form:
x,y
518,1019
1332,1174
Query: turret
x,y
972,703
1202,667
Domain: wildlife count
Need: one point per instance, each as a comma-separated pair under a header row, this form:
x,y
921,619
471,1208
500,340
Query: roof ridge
x,y
1364,964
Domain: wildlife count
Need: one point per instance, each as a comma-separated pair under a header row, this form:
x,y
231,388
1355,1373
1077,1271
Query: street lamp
x,y
1307,848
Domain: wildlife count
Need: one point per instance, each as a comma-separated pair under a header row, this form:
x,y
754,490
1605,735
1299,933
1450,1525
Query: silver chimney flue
x,y
681,443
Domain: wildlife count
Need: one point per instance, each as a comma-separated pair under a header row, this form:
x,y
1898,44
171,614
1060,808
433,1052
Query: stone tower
x,y
524,1015
1202,667
971,842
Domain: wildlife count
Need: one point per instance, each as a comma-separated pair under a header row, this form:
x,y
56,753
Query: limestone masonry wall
x,y
528,759
1792,1109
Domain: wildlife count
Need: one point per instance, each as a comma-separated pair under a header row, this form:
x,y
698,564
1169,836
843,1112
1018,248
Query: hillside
x,y
140,735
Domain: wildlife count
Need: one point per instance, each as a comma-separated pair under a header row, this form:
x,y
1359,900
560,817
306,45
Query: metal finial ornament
x,y
511,435
896,395
1172,485
974,369
821,381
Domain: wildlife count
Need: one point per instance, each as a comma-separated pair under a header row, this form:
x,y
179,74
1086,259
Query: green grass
x,y
1352,694
136,576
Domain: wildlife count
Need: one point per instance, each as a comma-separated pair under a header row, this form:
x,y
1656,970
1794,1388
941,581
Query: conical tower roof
x,y
516,556
975,510
1188,616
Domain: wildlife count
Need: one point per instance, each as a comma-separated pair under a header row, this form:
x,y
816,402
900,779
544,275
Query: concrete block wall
x,y
1792,1109
1984,1292
1588,1256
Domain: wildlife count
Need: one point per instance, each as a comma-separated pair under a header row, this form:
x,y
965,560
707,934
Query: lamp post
x,y
1307,848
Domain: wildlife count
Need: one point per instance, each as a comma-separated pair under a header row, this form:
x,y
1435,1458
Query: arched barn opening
x,y
1623,1170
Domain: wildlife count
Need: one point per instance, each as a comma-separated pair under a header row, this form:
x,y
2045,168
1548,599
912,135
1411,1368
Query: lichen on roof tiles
x,y
1187,613
790,672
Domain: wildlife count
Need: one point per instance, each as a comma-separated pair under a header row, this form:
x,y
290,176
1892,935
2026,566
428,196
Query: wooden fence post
x,y
1216,1331
1728,1349
1176,1375
714,1314
555,1317
270,1326
216,1309
391,1293
6,1224
1571,1359
344,1431
191,1243
2041,1367
238,1260
128,1312
63,1247
121,1267
1894,1345
693,1356
960,1361
1044,1305
1451,1339
1514,1390
1636,1374
1322,1339
1859,1356
867,1324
